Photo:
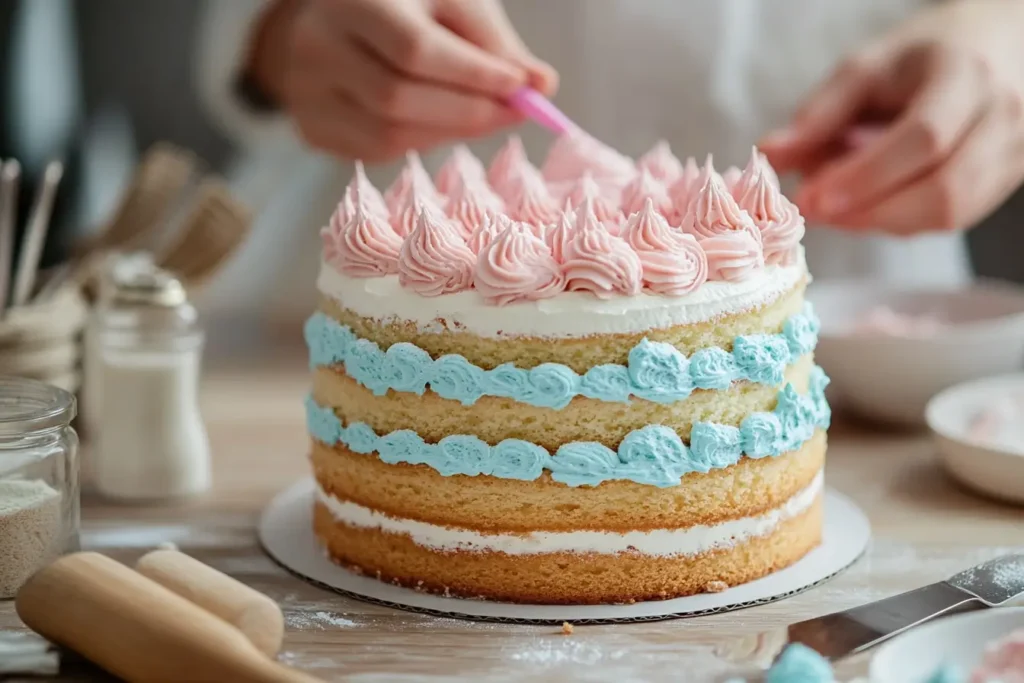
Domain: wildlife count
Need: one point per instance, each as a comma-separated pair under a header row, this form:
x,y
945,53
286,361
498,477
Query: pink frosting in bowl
x,y
517,266
434,259
674,263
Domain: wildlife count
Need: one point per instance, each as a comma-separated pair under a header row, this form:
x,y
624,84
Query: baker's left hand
x,y
949,87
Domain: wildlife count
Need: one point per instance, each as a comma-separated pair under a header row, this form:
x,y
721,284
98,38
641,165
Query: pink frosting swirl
x,y
434,260
661,163
642,189
713,212
576,152
405,217
460,166
413,175
509,159
599,262
682,191
517,266
732,256
673,262
530,202
587,189
469,203
559,236
731,177
363,246
489,228
778,220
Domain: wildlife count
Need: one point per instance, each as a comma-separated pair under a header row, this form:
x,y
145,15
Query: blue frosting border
x,y
655,371
653,455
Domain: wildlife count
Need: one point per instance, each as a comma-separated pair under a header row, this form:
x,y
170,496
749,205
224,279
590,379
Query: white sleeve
x,y
225,34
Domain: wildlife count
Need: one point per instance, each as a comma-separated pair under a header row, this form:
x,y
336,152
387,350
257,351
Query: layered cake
x,y
589,382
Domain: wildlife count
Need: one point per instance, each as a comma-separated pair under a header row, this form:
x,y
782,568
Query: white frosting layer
x,y
660,542
570,314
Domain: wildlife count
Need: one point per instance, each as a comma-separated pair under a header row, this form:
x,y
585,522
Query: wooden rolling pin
x,y
251,612
137,629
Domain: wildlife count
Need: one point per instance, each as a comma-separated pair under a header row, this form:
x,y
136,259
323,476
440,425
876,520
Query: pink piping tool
x,y
540,109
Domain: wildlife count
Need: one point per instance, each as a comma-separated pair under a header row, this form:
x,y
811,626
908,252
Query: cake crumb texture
x,y
565,578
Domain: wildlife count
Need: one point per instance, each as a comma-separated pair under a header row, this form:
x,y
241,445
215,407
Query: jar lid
x,y
156,288
28,405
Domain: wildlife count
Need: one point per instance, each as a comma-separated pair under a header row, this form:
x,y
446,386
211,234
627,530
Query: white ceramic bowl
x,y
984,468
955,641
891,379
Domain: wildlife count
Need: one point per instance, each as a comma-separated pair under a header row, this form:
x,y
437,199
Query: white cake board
x,y
286,532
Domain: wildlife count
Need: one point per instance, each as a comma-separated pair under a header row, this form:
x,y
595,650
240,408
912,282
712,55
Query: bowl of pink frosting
x,y
979,647
889,349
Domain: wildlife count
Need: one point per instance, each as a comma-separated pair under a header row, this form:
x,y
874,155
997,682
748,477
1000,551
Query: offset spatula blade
x,y
840,634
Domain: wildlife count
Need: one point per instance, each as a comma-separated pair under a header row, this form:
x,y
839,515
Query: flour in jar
x,y
30,531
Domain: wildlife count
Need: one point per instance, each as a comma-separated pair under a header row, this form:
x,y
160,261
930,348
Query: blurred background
x,y
98,82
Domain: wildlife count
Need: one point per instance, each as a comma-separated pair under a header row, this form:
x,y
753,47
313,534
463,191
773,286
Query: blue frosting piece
x,y
654,455
655,371
800,664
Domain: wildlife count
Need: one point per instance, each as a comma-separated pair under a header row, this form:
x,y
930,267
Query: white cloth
x,y
707,75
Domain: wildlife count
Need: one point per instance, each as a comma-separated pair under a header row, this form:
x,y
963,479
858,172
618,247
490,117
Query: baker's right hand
x,y
373,78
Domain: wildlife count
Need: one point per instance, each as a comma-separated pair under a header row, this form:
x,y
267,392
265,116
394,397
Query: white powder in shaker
x,y
30,531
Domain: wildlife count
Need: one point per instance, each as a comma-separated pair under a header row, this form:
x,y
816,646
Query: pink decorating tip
x,y
540,109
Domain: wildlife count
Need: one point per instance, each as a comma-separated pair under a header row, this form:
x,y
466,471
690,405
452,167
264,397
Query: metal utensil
x,y
35,234
10,173
841,634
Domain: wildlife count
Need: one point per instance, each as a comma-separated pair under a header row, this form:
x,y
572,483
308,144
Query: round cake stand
x,y
286,533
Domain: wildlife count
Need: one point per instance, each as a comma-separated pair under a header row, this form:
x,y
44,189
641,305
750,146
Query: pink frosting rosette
x,y
469,203
412,176
713,211
599,262
489,228
642,189
517,266
509,160
732,256
405,217
674,263
683,190
461,165
661,163
434,260
530,202
587,190
560,234
363,246
576,152
778,220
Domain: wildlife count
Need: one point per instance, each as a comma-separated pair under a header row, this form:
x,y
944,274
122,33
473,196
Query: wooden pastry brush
x,y
210,233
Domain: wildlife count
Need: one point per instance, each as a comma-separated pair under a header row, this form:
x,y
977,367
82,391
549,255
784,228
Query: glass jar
x,y
151,443
39,495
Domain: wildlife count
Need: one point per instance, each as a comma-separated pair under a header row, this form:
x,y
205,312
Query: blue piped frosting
x,y
800,664
653,455
655,371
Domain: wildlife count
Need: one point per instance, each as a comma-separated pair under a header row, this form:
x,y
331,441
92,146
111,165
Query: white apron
x,y
707,75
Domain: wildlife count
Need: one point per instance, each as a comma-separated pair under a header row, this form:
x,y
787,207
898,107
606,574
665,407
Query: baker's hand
x,y
948,89
373,78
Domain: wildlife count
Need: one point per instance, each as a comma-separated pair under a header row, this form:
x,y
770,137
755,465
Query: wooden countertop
x,y
925,528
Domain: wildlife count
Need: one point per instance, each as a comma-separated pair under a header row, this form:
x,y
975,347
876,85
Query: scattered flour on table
x,y
315,620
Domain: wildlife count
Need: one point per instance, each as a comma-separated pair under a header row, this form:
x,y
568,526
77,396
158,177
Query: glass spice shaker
x,y
39,494
150,442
